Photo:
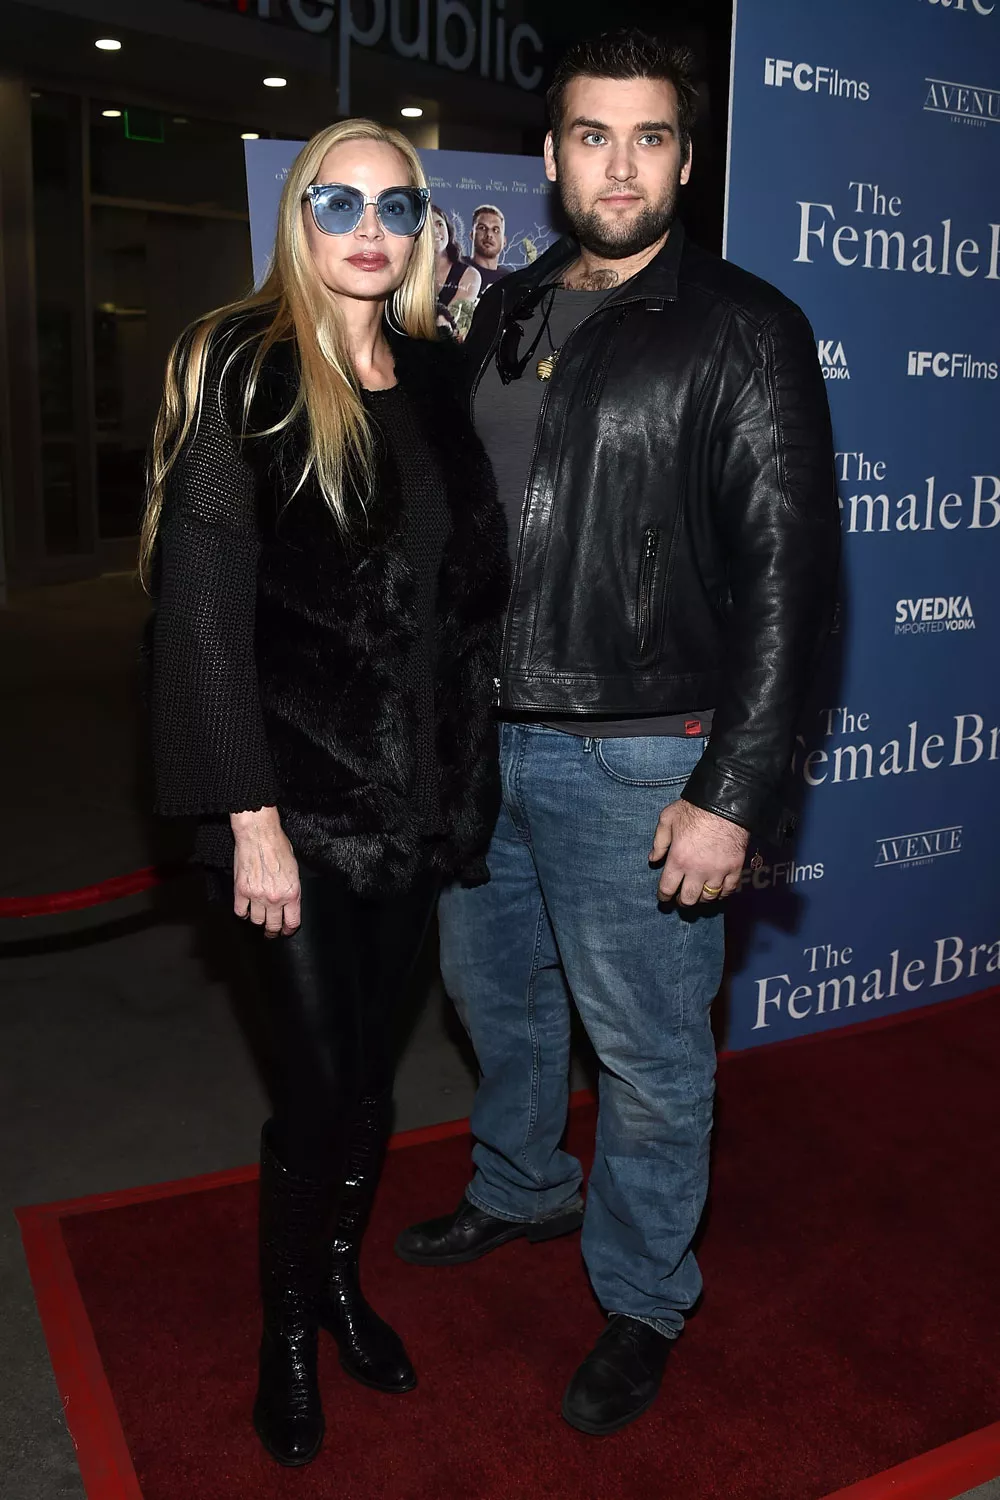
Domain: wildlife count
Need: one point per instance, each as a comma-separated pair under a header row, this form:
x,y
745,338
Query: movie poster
x,y
490,214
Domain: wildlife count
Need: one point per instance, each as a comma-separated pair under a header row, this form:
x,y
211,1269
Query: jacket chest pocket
x,y
646,594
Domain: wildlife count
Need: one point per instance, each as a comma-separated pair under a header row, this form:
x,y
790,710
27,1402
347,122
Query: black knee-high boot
x,y
295,1215
370,1350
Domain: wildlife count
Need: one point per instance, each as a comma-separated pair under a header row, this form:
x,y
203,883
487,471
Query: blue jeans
x,y
571,911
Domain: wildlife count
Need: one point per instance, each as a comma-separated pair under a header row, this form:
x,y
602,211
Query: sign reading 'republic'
x,y
472,37
873,206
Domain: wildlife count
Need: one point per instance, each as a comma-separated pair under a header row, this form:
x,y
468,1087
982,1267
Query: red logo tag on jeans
x,y
692,726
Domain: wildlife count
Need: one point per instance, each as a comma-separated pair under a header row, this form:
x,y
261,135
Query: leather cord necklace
x,y
546,365
510,362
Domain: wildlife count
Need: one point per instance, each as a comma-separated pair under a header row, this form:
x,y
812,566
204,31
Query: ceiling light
x,y
275,83
111,114
250,135
107,44
180,119
411,112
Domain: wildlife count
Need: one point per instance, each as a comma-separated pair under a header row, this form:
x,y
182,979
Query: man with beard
x,y
659,430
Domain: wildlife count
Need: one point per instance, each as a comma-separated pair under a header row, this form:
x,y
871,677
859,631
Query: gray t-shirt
x,y
507,421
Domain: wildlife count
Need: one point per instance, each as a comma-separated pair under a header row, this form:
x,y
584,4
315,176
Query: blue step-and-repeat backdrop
x,y
864,181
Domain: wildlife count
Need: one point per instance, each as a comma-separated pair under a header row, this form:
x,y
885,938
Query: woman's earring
x,y
392,316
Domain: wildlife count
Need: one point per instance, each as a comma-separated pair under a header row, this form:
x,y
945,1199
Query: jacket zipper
x,y
600,374
473,391
626,302
647,568
520,541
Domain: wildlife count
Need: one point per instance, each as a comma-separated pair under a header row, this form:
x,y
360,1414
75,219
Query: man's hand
x,y
265,873
704,852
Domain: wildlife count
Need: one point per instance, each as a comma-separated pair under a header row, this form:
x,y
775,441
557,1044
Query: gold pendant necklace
x,y
545,366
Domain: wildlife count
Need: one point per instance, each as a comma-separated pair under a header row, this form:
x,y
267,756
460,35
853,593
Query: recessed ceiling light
x,y
250,135
111,114
411,112
107,44
275,83
180,119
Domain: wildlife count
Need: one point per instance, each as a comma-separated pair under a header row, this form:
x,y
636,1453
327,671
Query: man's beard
x,y
611,241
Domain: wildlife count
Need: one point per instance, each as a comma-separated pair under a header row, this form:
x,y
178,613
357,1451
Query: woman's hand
x,y
265,873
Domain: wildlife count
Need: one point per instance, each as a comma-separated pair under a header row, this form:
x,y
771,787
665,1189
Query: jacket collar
x,y
655,283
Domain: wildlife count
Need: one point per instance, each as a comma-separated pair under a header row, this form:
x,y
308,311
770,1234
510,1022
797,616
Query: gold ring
x,y
711,890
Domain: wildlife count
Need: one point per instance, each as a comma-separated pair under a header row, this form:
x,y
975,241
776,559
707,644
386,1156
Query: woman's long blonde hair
x,y
340,453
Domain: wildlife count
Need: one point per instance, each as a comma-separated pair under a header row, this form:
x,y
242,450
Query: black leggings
x,y
331,991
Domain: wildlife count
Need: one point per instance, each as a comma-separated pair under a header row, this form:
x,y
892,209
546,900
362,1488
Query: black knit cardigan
x,y
277,642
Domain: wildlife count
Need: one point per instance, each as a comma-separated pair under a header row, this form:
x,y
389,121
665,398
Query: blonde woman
x,y
328,564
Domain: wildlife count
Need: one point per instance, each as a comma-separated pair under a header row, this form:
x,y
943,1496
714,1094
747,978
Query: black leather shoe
x,y
370,1351
294,1216
470,1232
619,1379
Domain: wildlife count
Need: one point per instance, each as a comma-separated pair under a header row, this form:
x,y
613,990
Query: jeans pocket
x,y
650,760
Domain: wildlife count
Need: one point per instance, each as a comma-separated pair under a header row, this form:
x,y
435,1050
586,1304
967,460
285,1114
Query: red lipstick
x,y
369,260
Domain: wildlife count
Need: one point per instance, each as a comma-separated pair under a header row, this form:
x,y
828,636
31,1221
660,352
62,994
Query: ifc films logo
x,y
812,78
908,849
950,366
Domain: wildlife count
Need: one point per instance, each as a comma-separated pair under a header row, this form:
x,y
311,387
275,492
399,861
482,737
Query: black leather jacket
x,y
680,536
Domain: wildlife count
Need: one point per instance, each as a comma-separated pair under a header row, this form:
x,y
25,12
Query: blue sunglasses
x,y
338,209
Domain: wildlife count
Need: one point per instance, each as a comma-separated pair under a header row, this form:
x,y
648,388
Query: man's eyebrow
x,y
581,122
590,124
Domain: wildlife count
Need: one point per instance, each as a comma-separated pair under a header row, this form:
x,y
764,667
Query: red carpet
x,y
851,1320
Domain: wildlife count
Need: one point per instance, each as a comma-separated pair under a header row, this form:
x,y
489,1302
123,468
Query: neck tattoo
x,y
579,280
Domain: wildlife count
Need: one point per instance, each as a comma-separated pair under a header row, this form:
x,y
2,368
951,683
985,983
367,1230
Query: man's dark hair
x,y
489,208
628,53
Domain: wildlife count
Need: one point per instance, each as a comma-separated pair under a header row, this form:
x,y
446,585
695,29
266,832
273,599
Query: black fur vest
x,y
335,615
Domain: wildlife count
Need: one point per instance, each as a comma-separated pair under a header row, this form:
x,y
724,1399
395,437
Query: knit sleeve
x,y
209,746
